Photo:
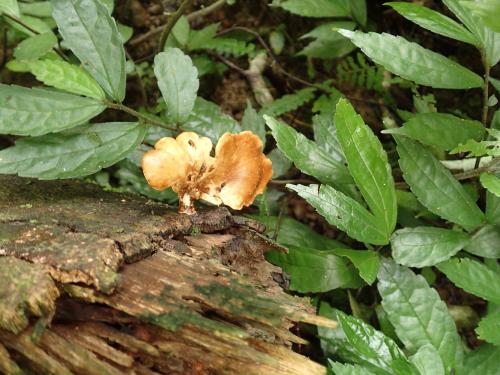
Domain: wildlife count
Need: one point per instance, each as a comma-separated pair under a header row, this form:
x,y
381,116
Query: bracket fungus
x,y
234,177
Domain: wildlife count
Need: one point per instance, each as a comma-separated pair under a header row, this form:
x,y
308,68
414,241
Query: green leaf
x,y
482,361
490,41
413,62
307,156
91,33
492,208
316,8
485,242
434,21
489,328
427,361
343,212
68,77
419,316
435,187
281,164
474,148
294,233
325,136
36,25
473,277
328,44
229,46
426,246
181,30
254,122
178,82
440,130
75,153
373,346
10,7
199,38
35,46
36,111
487,10
346,369
358,11
315,271
366,261
42,9
289,102
368,165
208,120
491,182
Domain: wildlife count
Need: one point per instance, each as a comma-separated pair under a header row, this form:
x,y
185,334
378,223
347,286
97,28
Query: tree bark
x,y
96,282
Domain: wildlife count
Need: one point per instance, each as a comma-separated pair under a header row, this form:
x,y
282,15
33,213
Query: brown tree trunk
x,y
94,282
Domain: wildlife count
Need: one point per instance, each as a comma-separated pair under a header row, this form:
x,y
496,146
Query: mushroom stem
x,y
186,204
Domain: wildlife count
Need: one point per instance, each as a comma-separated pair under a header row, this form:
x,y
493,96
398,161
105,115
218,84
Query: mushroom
x,y
234,177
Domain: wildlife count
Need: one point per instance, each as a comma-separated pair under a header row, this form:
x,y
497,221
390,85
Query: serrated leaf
x,y
489,328
426,246
207,119
199,38
91,33
366,261
413,62
347,369
325,135
440,130
229,46
289,102
490,182
373,346
482,148
473,277
307,156
490,41
343,212
435,187
68,77
281,164
35,46
10,7
316,8
253,121
294,233
327,43
427,361
36,111
485,242
178,82
75,153
482,360
434,21
368,165
417,313
315,271
487,10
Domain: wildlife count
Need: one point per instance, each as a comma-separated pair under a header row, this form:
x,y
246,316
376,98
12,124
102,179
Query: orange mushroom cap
x,y
237,174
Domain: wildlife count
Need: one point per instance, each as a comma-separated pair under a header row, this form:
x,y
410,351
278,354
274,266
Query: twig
x,y
34,31
172,20
198,13
139,115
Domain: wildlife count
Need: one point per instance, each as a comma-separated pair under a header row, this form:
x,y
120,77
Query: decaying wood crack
x,y
103,283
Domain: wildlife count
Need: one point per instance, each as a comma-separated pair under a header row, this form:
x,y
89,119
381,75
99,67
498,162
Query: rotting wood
x,y
104,283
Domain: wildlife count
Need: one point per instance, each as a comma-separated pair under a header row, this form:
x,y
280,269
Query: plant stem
x,y
139,115
484,116
28,27
171,23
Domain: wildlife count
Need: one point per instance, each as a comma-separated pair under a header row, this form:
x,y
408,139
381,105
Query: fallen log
x,y
96,282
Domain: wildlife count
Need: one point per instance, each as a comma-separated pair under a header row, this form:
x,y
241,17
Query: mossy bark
x,y
97,282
